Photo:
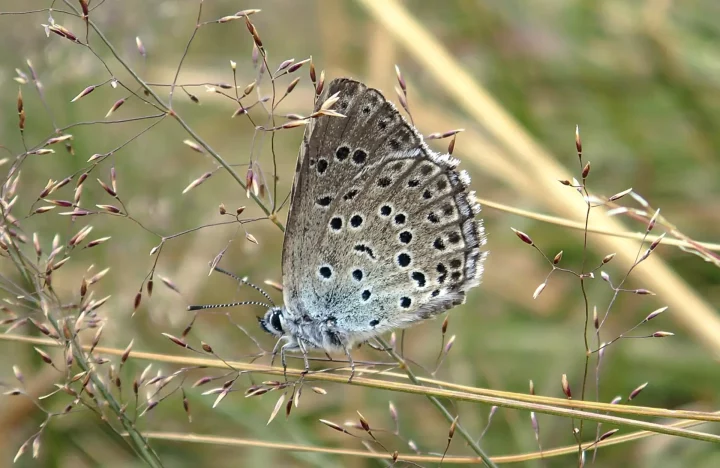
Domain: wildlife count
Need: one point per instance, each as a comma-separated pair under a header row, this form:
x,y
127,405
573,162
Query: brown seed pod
x,y
523,237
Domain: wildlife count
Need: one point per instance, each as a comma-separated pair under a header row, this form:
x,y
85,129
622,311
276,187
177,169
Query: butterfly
x,y
381,232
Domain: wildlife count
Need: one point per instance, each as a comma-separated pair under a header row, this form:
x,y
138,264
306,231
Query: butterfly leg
x,y
377,347
303,349
275,350
352,363
283,360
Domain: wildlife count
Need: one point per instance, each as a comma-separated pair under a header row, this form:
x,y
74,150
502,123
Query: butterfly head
x,y
273,321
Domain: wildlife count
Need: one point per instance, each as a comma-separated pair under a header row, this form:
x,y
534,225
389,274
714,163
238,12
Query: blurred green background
x,y
640,78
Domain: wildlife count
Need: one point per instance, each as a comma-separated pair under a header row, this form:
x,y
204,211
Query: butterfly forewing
x,y
381,231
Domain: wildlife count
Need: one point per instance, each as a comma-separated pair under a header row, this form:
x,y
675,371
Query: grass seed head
x,y
566,386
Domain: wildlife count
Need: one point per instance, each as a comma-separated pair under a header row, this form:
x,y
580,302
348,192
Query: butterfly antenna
x,y
245,281
229,304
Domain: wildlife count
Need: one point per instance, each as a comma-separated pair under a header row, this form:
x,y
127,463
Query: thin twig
x,y
438,404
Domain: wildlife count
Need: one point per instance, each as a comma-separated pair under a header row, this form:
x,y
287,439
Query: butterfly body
x,y
381,231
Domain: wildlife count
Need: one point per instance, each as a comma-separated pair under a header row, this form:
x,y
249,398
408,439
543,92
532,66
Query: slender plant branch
x,y
539,455
165,107
474,445
519,403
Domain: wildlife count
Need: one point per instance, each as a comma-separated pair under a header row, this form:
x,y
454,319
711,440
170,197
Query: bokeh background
x,y
641,80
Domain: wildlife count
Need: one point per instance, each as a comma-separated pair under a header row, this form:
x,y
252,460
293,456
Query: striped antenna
x,y
229,304
245,281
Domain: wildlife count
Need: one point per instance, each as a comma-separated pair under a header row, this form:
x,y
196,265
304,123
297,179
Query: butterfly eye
x,y
275,321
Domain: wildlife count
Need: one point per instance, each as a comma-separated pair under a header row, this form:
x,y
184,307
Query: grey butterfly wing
x,y
381,231
318,181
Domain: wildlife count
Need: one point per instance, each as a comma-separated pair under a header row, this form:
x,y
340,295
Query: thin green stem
x,y
438,404
179,119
